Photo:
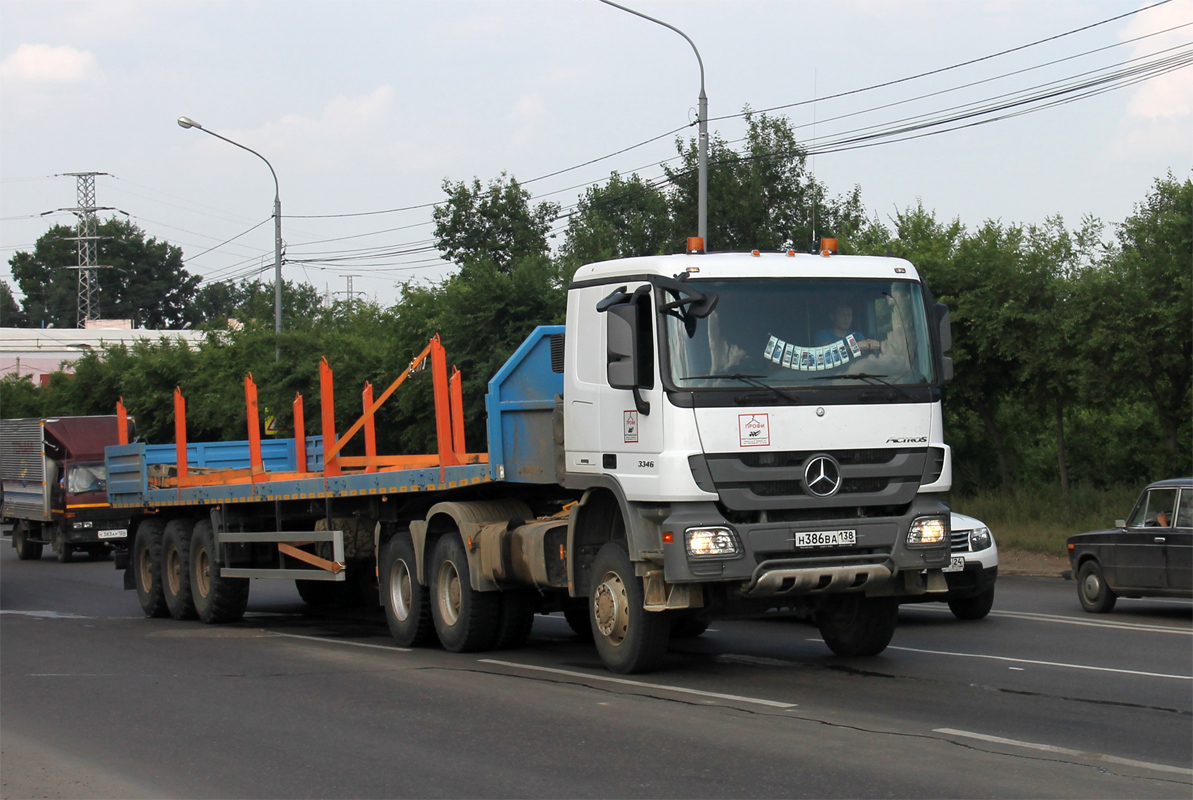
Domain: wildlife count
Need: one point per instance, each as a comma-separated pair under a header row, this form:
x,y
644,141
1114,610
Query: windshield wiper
x,y
873,380
749,380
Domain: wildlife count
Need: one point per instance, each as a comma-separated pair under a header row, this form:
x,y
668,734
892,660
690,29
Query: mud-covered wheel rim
x,y
611,608
449,593
174,570
400,590
145,567
202,572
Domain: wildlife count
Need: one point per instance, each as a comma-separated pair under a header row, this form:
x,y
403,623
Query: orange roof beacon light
x,y
695,244
791,254
828,247
755,253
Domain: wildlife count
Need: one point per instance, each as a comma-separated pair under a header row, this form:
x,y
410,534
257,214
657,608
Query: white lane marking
x,y
46,614
1048,748
641,684
340,641
1044,663
1088,623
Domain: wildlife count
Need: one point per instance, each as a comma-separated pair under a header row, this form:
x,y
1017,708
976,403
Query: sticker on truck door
x,y
630,426
754,430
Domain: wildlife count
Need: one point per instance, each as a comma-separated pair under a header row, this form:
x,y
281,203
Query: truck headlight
x,y
979,539
711,543
928,532
77,525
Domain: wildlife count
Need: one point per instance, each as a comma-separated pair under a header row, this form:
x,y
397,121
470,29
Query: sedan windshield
x,y
802,333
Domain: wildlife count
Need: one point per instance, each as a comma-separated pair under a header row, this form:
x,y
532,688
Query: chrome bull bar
x,y
809,580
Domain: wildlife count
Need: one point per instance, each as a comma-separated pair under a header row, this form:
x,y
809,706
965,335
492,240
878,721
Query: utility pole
x,y
85,241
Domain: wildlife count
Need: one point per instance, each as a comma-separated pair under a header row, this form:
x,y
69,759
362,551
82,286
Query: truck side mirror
x,y
623,332
946,328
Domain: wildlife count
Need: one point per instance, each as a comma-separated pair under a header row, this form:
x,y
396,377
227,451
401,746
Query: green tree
x,y
11,315
1134,308
215,303
496,222
140,278
762,197
623,218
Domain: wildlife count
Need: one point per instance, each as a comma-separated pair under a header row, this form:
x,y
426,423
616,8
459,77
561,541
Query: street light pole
x,y
702,163
186,122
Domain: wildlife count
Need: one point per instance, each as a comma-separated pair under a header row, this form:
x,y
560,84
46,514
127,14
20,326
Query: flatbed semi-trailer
x,y
701,438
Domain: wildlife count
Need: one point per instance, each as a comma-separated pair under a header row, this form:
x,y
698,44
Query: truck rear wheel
x,y
26,550
407,602
516,619
217,599
629,638
147,567
465,619
176,563
855,625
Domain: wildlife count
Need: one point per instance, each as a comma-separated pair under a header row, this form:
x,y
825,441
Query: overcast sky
x,y
366,105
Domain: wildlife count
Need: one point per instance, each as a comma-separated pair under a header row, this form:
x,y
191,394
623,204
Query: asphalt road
x,y
1037,700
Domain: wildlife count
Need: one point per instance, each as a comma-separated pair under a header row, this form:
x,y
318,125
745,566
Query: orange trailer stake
x,y
121,422
256,464
180,431
300,435
327,404
370,429
456,390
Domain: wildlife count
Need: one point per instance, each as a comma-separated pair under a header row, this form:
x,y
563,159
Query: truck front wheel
x,y
26,550
217,599
61,548
629,638
855,625
176,563
407,602
465,619
147,567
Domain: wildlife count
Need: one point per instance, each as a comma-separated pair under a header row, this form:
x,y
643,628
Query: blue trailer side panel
x,y
520,405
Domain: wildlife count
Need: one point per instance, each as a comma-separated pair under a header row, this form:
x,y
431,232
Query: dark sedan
x,y
1149,554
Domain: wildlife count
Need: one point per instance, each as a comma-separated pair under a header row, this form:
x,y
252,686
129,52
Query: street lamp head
x,y
187,122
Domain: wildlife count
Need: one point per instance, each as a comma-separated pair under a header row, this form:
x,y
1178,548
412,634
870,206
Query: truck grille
x,y
775,481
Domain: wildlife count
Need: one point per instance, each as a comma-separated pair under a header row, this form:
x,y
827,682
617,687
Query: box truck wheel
x,y
516,618
855,625
147,567
628,637
407,602
26,550
465,619
176,563
217,599
61,548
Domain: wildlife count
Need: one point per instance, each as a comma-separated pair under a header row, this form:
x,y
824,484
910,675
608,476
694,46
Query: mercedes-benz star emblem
x,y
822,476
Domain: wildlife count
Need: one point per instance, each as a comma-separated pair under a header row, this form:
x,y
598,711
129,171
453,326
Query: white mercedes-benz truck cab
x,y
764,431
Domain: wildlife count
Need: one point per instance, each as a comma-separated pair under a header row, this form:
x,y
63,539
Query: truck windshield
x,y
82,478
802,333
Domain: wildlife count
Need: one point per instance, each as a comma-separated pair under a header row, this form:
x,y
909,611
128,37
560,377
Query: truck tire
x,y
176,566
855,625
1096,597
575,611
26,550
217,599
465,619
516,618
147,567
629,638
407,602
61,548
976,607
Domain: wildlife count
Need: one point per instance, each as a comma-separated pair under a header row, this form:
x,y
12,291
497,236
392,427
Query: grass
x,y
1039,519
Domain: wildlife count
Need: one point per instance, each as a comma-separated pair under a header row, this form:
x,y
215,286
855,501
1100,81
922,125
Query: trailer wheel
x,y
176,563
26,550
465,619
217,599
147,567
407,602
855,625
516,618
61,548
575,611
629,638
